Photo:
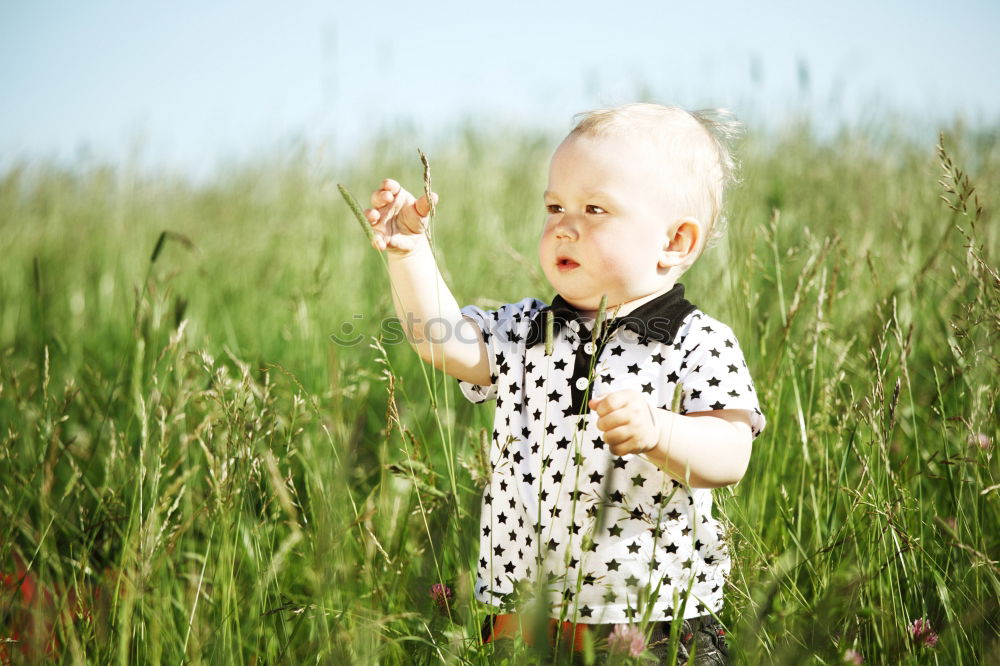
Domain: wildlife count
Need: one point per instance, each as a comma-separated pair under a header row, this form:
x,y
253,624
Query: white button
x,y
589,347
581,383
575,325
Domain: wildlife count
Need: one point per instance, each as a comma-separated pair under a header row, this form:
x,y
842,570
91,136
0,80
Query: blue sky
x,y
191,83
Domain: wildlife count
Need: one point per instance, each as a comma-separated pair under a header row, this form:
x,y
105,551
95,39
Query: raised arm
x,y
424,304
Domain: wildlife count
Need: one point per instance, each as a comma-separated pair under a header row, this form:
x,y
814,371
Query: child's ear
x,y
681,244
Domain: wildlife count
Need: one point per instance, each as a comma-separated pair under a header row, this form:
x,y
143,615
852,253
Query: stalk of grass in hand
x,y
427,193
352,203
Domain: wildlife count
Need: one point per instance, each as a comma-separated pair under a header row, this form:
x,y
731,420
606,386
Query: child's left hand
x,y
627,421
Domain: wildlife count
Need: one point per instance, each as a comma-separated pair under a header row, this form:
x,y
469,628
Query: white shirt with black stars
x,y
607,534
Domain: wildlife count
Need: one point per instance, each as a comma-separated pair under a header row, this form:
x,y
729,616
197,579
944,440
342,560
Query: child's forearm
x,y
702,451
431,317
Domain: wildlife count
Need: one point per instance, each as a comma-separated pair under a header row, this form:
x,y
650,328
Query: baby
x,y
598,488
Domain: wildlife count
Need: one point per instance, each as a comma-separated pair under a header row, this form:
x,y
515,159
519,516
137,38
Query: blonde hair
x,y
696,141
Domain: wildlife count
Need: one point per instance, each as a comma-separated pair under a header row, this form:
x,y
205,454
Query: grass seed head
x,y
602,314
352,203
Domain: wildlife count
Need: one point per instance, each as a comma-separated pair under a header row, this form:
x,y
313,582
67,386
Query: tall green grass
x,y
192,471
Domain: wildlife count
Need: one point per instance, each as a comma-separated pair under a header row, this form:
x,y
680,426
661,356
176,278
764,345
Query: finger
x,y
624,448
597,404
613,419
616,437
379,198
371,215
612,401
625,441
619,399
391,185
392,200
422,207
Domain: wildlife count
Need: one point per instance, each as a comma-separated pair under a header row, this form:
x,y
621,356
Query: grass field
x,y
193,471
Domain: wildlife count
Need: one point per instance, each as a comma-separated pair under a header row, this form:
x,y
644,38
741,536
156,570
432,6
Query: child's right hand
x,y
398,219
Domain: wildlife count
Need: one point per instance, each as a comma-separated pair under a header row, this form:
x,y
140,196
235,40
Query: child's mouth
x,y
564,264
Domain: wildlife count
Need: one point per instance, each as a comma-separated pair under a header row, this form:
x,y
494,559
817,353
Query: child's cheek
x,y
613,260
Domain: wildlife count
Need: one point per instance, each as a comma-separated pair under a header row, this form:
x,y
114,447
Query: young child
x,y
597,488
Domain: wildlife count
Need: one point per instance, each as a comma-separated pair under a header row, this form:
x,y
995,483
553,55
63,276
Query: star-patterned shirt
x,y
606,535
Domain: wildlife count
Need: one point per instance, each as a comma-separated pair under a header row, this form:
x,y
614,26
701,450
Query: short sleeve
x,y
715,373
504,331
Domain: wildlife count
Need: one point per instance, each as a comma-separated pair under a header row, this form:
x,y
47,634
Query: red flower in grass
x,y
920,630
32,610
981,440
25,630
853,657
627,639
441,595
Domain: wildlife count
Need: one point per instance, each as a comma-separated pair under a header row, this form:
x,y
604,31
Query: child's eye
x,y
595,210
553,209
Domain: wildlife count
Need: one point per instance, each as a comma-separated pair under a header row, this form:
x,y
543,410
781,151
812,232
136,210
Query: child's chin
x,y
579,302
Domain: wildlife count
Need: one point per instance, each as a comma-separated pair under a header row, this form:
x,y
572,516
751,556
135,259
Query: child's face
x,y
609,221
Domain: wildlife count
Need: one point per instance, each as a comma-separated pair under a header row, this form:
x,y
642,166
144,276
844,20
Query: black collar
x,y
659,319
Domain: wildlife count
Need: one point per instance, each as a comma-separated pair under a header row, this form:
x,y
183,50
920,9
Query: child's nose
x,y
566,228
